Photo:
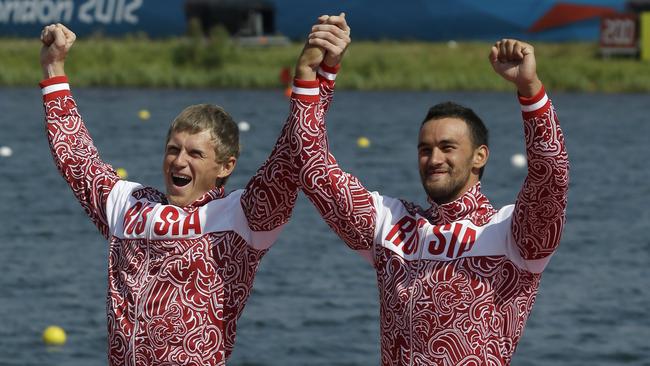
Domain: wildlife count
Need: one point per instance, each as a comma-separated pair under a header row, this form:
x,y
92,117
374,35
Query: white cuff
x,y
327,75
55,88
305,91
535,106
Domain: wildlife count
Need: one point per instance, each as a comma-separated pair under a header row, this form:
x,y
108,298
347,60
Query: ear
x,y
481,155
225,169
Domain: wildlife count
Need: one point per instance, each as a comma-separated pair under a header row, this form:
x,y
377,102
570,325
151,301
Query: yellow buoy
x,y
363,142
122,173
144,114
54,336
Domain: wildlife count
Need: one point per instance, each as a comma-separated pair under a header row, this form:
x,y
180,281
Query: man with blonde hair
x,y
181,263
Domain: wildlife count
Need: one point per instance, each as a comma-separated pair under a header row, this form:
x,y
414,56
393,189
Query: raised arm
x,y
344,203
334,32
271,194
75,156
540,210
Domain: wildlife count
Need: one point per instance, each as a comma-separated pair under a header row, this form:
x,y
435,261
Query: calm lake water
x,y
315,301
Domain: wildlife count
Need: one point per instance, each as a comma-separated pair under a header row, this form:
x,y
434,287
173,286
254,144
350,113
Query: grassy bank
x,y
187,63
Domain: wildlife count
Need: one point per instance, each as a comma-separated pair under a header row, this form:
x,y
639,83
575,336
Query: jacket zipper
x,y
143,281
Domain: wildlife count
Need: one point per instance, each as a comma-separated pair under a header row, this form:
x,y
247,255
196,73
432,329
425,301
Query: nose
x,y
180,160
436,158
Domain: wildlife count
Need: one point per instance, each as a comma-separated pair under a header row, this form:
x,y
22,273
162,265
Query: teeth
x,y
180,176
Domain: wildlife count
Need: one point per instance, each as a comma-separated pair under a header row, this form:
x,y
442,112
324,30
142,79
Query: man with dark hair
x,y
477,130
181,263
457,280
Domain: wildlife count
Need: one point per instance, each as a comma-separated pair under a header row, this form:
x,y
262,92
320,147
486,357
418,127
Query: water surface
x,y
315,302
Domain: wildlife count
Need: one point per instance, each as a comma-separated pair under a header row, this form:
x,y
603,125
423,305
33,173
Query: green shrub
x,y
205,53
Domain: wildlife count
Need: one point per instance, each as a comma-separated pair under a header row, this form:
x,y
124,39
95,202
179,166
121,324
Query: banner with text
x,y
107,17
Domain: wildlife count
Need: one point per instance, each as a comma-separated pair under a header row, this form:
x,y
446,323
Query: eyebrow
x,y
441,142
448,142
197,150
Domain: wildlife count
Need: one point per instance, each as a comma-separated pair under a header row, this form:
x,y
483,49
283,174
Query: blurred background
x,y
590,45
379,19
138,63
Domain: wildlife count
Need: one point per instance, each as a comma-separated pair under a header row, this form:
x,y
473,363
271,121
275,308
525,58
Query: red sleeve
x,y
342,201
326,79
77,159
540,210
271,194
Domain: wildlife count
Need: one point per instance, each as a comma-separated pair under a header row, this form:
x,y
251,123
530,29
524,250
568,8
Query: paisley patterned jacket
x,y
179,277
457,282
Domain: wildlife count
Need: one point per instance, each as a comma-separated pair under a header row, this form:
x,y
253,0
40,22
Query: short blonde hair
x,y
208,117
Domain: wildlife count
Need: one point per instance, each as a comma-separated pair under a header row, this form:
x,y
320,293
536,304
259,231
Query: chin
x,y
178,197
437,195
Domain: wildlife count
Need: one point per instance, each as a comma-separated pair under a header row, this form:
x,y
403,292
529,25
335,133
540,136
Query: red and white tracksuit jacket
x,y
178,277
457,281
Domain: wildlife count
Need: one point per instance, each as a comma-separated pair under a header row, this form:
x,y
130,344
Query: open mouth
x,y
180,180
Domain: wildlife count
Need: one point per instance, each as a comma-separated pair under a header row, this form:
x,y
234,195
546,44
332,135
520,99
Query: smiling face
x,y
191,167
200,153
448,161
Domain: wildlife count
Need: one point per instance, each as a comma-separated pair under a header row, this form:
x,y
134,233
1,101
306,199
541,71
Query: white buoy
x,y
452,44
518,160
244,126
5,151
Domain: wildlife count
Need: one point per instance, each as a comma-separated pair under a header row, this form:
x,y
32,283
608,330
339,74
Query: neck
x,y
462,206
471,182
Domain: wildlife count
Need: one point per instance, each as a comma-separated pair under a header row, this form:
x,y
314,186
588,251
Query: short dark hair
x,y
223,129
477,130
